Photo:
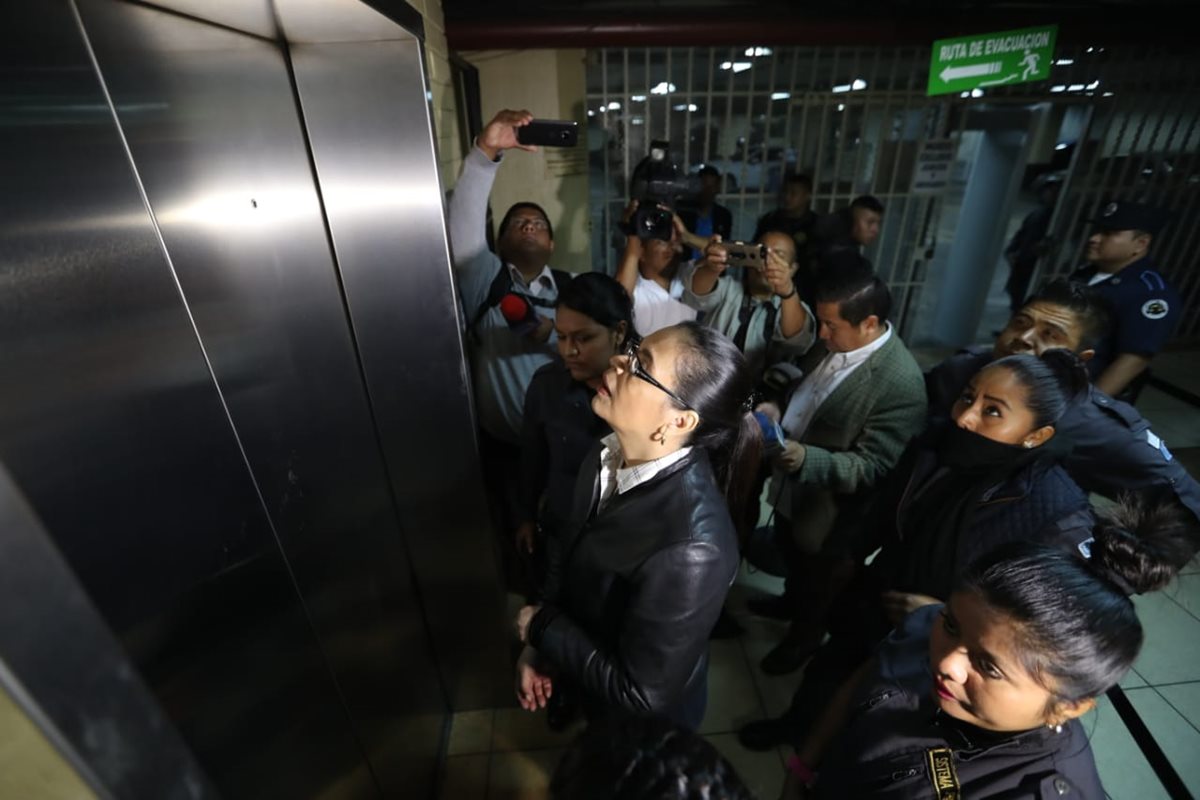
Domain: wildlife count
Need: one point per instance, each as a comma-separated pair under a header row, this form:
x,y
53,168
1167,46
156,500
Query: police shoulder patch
x,y
1158,444
1155,309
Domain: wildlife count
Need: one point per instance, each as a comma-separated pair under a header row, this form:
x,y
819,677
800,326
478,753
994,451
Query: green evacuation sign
x,y
992,59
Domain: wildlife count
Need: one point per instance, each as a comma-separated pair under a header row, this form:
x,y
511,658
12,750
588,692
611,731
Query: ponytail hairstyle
x,y
601,299
711,374
1051,380
1077,630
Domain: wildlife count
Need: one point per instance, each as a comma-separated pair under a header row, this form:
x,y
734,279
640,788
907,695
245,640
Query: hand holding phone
x,y
743,254
549,133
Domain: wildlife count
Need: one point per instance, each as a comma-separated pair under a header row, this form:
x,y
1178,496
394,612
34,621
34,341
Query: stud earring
x,y
1028,445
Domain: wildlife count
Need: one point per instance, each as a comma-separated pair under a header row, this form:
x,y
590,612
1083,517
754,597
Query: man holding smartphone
x,y
763,313
508,298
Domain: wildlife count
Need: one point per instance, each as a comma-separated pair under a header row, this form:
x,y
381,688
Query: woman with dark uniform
x,y
593,319
652,549
981,697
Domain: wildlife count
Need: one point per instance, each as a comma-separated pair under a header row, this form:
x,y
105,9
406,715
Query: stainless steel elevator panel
x,y
364,105
216,137
111,424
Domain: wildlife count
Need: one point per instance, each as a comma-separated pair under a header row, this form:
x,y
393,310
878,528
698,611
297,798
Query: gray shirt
x,y
722,309
502,360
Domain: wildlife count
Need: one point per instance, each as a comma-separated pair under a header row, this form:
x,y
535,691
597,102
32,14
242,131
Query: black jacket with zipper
x,y
636,590
894,722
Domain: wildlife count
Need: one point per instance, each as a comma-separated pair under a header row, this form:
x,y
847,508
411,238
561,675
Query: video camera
x,y
656,182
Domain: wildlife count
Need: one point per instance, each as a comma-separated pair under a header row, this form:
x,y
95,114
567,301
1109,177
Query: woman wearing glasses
x,y
651,549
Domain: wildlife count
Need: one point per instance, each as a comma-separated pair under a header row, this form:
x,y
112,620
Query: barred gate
x,y
855,119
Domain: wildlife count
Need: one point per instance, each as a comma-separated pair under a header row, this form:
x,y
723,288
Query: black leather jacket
x,y
636,590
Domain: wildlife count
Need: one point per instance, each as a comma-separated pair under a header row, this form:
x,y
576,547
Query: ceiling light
x,y
663,88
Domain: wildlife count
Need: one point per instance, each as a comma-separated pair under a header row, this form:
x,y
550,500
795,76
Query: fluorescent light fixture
x,y
614,106
858,84
1061,146
1075,87
841,89
591,113
663,88
637,121
638,98
1058,88
965,94
841,106
754,52
977,93
736,66
781,95
1107,94
1064,62
686,107
1093,86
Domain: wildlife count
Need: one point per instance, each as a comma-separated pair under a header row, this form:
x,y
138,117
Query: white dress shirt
x,y
808,397
617,479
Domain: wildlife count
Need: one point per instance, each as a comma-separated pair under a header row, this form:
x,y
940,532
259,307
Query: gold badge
x,y
942,774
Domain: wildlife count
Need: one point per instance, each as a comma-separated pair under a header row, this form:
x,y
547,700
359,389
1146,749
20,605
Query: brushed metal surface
x,y
368,123
78,687
213,126
112,426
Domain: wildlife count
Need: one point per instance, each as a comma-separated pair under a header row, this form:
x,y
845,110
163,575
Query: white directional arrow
x,y
972,71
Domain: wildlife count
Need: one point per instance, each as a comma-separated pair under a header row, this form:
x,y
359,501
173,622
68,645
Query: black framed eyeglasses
x,y
635,367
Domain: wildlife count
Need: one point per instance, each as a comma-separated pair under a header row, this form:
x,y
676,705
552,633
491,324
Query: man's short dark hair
x,y
508,215
858,291
644,758
798,178
868,202
710,171
1095,316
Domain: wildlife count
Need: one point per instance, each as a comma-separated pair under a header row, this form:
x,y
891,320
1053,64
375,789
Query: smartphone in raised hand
x,y
746,254
549,133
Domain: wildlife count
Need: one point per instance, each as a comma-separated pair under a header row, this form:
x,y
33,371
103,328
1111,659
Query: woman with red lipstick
x,y
651,549
980,698
593,321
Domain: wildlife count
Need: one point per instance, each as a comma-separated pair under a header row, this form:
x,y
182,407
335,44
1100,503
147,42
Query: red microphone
x,y
519,314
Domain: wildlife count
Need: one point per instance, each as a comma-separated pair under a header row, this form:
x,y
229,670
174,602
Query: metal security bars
x,y
855,119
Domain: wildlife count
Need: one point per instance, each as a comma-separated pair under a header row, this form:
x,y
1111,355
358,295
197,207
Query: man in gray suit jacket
x,y
848,419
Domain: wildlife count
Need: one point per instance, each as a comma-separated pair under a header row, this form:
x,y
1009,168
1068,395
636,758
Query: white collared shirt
x,y
817,387
617,479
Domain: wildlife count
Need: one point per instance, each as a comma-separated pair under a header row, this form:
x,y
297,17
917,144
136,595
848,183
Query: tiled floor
x,y
505,753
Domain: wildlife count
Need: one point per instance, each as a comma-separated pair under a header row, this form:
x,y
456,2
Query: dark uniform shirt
x,y
559,430
1113,447
1145,309
897,744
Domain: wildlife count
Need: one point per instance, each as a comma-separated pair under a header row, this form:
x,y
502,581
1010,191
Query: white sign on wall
x,y
934,165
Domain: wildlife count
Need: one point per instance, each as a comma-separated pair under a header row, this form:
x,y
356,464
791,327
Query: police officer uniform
x,y
1113,450
897,744
1145,307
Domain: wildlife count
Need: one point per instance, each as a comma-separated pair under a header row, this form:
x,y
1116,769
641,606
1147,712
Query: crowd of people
x,y
957,600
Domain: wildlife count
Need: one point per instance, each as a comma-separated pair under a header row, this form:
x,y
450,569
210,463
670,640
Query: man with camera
x,y
508,297
652,268
763,313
